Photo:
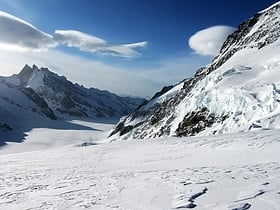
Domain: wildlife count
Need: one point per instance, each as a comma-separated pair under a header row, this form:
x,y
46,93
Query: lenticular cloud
x,y
18,34
209,41
89,43
124,50
73,38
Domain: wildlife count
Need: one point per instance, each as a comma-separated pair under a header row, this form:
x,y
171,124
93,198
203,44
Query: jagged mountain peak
x,y
34,77
239,90
28,68
26,73
58,98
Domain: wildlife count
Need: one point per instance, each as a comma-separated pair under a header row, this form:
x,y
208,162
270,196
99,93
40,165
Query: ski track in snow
x,y
234,171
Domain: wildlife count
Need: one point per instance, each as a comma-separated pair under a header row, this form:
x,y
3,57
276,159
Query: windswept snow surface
x,y
231,171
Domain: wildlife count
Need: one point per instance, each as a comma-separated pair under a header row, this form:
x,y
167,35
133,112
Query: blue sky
x,y
158,29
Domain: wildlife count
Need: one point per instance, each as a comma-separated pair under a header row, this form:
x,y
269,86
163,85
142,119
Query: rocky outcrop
x,y
197,121
40,102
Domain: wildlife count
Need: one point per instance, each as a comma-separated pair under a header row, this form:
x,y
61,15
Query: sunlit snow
x,y
233,171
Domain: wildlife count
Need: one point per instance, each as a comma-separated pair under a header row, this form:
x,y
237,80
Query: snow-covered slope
x,y
238,91
234,171
35,98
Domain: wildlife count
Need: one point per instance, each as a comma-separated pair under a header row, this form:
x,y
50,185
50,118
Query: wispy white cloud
x,y
17,34
73,38
89,43
209,41
124,50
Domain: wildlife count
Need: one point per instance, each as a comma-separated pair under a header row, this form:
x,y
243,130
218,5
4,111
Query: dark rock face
x,y
195,122
244,37
156,118
40,102
122,129
5,127
67,103
163,90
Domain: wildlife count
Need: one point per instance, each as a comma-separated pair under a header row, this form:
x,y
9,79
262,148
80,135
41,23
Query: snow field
x,y
233,171
48,138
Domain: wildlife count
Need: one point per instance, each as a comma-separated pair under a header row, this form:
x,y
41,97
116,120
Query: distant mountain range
x,y
238,91
38,96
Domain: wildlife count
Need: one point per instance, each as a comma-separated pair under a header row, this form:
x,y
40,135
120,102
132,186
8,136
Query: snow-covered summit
x,y
27,73
36,96
71,100
238,91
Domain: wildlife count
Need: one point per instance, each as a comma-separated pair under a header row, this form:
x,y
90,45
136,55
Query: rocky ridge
x,y
178,111
41,93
